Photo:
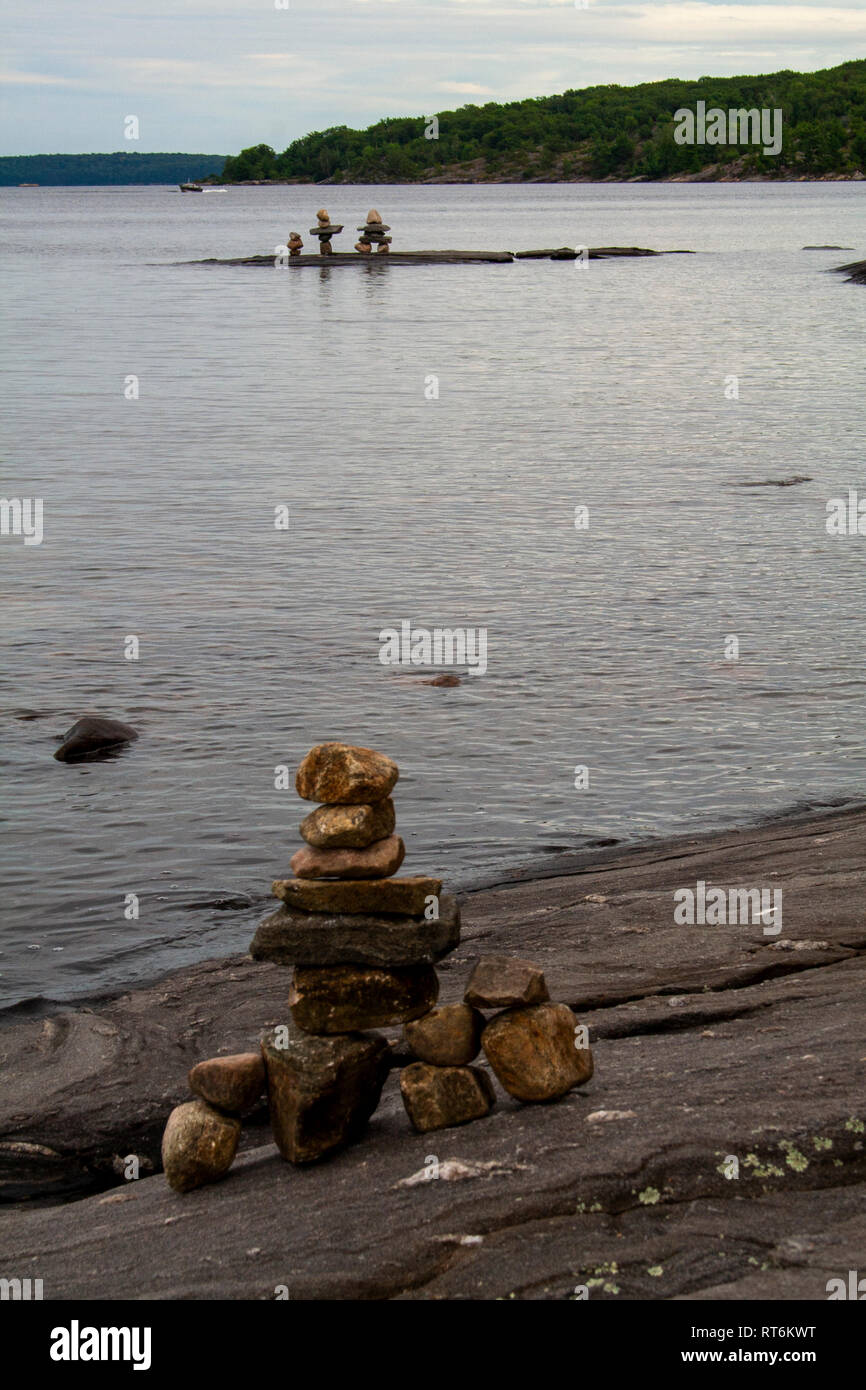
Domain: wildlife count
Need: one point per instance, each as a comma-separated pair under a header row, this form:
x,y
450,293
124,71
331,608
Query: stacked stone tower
x,y
363,944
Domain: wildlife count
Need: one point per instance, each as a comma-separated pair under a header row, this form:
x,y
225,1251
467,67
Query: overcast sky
x,y
211,76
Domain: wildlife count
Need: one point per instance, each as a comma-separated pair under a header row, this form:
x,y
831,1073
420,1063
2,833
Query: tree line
x,y
123,167
596,133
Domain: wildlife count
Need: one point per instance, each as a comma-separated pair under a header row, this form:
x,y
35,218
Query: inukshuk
x,y
363,943
373,233
324,231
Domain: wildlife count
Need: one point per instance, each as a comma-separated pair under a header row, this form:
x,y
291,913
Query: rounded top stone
x,y
339,774
373,216
323,215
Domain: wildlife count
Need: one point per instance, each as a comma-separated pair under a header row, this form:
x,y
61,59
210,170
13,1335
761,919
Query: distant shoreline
x,y
454,182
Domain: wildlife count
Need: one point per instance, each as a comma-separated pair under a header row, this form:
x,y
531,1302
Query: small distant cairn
x,y
373,234
295,244
324,231
363,944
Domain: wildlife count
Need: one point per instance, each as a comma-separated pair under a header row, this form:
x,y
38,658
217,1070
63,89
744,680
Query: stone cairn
x,y
295,244
373,233
324,231
363,944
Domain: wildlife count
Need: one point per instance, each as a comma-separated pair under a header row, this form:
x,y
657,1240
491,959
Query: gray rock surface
x,y
710,1044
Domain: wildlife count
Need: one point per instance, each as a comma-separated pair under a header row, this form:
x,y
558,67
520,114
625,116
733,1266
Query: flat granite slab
x,y
562,253
718,1151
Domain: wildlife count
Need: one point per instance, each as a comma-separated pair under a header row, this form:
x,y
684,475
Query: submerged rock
x,y
322,1091
349,827
198,1145
344,998
379,860
338,773
533,1054
93,734
438,1097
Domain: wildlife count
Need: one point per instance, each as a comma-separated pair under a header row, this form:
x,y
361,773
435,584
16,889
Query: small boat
x,y
190,188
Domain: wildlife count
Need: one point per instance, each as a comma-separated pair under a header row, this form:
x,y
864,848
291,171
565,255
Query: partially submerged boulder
x,y
92,735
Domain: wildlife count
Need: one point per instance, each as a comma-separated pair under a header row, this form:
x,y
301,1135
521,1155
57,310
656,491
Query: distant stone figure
x,y
295,243
325,230
373,234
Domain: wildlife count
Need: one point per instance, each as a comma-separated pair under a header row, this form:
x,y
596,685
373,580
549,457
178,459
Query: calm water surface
x,y
558,387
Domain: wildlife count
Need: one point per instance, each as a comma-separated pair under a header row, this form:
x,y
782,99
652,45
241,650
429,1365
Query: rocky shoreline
x,y
712,1044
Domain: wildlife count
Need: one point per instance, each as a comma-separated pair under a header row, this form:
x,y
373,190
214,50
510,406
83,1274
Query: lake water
x,y
559,386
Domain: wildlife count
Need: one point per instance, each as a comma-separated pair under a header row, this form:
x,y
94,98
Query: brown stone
x,y
349,827
287,937
198,1145
230,1083
532,1051
405,897
322,1091
373,216
339,773
323,217
446,1037
499,982
325,247
364,247
383,249
344,998
437,1097
378,860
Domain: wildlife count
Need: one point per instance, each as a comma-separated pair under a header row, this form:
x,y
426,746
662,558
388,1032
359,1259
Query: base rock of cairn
x,y
363,945
322,1091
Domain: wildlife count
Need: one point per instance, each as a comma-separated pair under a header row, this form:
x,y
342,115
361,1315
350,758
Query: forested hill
x,y
122,167
599,132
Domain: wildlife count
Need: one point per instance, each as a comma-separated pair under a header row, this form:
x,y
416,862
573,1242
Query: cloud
x,y
221,74
39,79
464,88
